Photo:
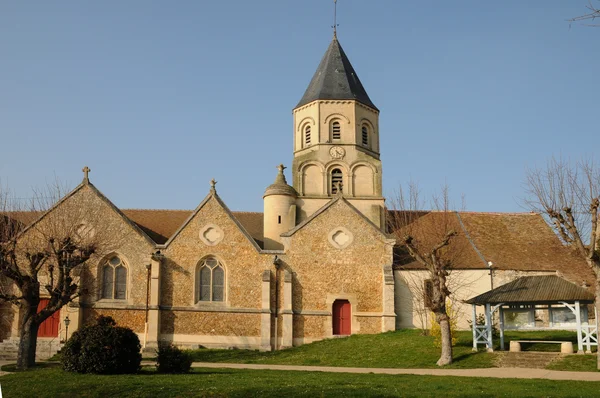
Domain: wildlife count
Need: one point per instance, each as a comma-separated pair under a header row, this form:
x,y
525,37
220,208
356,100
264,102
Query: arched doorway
x,y
342,318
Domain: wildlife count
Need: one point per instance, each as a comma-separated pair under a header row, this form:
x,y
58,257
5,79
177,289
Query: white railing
x,y
589,336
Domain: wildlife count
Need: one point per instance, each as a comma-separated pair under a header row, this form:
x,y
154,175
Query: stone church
x,y
318,261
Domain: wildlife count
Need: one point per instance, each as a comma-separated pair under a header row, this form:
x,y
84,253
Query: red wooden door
x,y
48,328
342,318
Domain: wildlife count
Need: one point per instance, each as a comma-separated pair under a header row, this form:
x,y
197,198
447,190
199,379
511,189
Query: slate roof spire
x,y
335,79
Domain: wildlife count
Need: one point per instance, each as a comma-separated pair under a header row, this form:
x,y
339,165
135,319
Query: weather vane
x,y
335,24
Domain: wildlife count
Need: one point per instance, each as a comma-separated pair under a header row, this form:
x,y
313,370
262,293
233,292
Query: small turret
x,y
279,210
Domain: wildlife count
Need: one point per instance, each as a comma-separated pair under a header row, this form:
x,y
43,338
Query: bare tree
x,y
590,16
44,258
430,239
568,194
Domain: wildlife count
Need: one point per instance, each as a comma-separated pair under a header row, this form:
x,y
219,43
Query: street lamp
x,y
67,321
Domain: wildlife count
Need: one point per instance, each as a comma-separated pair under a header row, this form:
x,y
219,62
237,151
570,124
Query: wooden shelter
x,y
527,294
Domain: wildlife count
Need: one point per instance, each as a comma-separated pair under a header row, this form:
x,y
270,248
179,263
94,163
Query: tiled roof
x,y
534,289
160,225
511,241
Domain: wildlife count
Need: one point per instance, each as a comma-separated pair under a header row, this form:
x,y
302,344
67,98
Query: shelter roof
x,y
535,289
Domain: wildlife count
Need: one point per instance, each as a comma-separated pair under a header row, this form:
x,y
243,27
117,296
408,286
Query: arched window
x,y
336,131
114,279
210,279
365,135
307,135
336,179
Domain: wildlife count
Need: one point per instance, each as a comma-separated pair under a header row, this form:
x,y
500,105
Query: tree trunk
x,y
446,336
27,340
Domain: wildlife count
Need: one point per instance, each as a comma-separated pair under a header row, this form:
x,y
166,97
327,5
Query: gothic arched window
x,y
210,280
337,178
365,135
114,279
336,131
307,135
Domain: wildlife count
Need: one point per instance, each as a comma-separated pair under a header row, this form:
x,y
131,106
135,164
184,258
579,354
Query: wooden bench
x,y
566,347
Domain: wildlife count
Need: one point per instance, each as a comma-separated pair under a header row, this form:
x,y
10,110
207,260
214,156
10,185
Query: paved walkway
x,y
503,373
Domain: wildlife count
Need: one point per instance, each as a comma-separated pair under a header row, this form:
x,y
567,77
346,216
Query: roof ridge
x,y
136,209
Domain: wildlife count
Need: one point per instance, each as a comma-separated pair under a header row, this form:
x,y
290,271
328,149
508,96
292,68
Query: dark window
x,y
211,280
336,131
114,280
307,136
427,293
279,219
336,179
365,135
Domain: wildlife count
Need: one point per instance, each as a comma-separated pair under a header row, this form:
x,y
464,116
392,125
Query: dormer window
x,y
307,136
365,135
336,131
337,178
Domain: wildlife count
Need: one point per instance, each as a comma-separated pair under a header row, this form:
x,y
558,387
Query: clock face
x,y
337,152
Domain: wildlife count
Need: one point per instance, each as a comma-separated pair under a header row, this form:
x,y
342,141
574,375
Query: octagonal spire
x,y
335,79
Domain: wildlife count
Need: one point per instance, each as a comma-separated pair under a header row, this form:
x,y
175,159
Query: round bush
x,y
170,359
102,348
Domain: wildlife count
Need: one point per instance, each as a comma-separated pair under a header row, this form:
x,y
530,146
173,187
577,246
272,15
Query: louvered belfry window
x,y
211,280
114,279
336,177
307,136
336,131
365,135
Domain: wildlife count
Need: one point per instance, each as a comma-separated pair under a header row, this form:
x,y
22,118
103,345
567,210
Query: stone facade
x,y
219,279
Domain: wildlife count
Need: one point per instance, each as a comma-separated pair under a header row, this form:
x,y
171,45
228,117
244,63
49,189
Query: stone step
x,y
527,359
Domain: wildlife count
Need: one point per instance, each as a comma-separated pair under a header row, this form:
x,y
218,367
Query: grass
x,y
400,349
53,382
405,348
576,363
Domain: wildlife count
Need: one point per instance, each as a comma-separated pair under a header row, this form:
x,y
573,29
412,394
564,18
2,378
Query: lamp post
x,y
67,321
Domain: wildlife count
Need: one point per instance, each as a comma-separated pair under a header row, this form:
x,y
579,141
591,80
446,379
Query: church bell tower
x,y
336,141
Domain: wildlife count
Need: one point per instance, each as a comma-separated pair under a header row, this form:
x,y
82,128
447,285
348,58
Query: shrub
x,y
436,331
102,348
170,359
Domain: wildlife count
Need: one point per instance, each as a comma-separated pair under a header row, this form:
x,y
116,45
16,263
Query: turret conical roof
x,y
280,186
335,79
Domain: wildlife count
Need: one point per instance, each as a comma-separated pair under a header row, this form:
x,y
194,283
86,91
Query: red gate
x,y
342,318
48,328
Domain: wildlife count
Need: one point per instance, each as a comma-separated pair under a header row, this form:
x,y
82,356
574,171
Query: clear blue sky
x,y
159,97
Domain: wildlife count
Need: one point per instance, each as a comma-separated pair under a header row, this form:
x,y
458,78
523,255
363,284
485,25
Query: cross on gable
x,y
86,171
213,185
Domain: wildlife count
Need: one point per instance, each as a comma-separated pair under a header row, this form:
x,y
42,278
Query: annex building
x,y
318,261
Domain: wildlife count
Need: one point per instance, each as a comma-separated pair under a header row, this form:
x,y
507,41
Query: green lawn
x,y
400,349
53,382
576,363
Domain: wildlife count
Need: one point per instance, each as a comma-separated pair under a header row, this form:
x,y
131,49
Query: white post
x,y
474,327
579,335
501,328
550,323
488,326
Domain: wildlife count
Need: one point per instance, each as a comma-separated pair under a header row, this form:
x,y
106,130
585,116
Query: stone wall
x,y
239,314
324,271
